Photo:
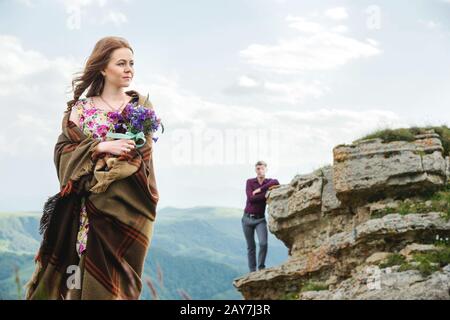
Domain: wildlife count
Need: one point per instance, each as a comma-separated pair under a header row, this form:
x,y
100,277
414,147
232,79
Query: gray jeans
x,y
249,225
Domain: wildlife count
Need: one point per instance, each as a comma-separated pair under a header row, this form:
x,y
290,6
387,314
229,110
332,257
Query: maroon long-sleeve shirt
x,y
256,204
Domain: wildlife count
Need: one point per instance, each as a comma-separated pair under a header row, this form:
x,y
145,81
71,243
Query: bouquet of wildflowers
x,y
135,122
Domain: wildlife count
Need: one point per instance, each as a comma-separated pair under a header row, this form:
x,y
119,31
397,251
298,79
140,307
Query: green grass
x,y
425,262
389,135
429,262
439,202
314,286
309,285
408,134
289,296
394,259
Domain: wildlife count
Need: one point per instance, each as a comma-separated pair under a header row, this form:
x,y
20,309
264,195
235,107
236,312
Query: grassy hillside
x,y
19,232
199,278
9,261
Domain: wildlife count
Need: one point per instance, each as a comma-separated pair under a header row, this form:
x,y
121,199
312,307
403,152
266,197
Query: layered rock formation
x,y
352,228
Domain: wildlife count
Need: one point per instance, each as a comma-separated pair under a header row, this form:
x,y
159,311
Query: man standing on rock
x,y
254,215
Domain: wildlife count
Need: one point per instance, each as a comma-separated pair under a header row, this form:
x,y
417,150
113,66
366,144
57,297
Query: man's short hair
x,y
260,162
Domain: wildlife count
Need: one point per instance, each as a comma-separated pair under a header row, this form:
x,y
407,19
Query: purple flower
x,y
136,118
115,116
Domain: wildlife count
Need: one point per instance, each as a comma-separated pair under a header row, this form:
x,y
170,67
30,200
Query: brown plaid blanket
x,y
120,196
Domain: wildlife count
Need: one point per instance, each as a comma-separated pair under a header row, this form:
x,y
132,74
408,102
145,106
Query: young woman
x,y
98,228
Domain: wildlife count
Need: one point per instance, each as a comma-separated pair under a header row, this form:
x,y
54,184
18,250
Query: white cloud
x,y
19,65
28,3
95,11
372,41
320,51
338,13
84,3
303,25
17,61
116,17
293,92
339,29
32,87
283,91
430,24
315,48
319,46
247,82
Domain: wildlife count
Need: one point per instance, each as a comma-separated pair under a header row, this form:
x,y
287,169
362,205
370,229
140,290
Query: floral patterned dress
x,y
94,123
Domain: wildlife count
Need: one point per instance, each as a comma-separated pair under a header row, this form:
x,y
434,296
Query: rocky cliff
x,y
374,225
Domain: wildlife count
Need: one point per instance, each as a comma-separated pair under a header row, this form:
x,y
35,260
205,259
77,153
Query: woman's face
x,y
120,69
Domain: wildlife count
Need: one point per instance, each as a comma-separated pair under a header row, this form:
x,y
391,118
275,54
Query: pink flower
x,y
102,130
82,248
90,112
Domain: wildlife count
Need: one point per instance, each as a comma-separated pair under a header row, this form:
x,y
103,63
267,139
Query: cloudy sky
x,y
234,81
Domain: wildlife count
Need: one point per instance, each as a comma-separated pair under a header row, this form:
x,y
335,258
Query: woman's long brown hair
x,y
91,77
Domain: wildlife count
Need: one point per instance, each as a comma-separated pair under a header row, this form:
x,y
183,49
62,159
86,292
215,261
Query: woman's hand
x,y
117,147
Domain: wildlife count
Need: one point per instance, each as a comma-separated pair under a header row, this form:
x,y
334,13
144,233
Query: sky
x,y
233,81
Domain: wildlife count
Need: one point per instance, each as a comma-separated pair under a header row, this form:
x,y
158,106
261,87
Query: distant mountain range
x,y
198,251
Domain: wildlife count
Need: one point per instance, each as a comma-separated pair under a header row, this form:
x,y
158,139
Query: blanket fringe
x,y
48,212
